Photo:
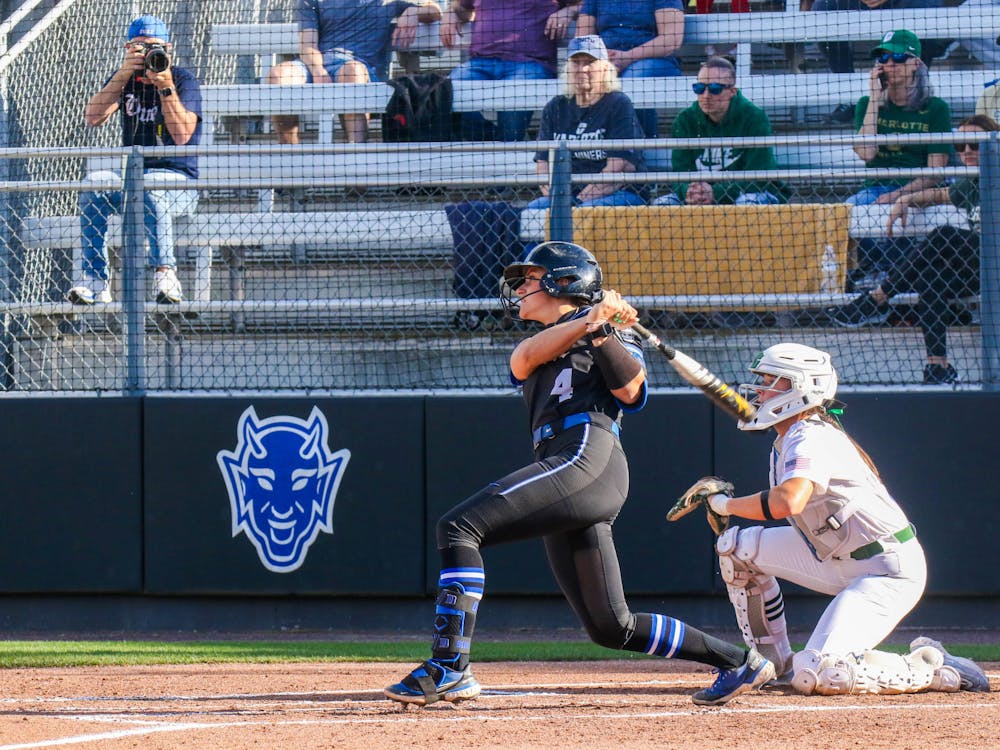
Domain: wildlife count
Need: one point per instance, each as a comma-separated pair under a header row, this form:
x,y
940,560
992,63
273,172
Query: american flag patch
x,y
795,464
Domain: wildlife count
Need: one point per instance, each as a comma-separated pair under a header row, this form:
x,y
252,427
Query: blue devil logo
x,y
282,480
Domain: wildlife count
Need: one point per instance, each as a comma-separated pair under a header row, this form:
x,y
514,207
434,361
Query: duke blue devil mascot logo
x,y
282,480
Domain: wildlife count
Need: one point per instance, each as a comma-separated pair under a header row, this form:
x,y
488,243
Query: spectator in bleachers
x,y
641,36
348,41
944,266
510,40
593,109
721,111
900,102
840,55
159,105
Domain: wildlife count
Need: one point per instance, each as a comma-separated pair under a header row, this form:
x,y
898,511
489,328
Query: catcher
x,y
846,537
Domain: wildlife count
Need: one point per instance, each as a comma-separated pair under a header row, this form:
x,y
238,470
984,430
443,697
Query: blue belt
x,y
550,430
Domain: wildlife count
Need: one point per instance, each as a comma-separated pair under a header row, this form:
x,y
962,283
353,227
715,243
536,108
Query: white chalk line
x,y
305,701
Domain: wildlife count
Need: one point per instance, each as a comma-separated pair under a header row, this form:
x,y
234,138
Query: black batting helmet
x,y
571,272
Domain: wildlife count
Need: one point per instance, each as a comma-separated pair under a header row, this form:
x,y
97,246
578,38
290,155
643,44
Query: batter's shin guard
x,y
454,621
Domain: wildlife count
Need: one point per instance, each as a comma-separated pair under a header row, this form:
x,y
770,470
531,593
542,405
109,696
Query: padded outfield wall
x,y
117,513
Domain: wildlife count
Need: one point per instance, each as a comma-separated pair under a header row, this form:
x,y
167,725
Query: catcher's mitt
x,y
698,494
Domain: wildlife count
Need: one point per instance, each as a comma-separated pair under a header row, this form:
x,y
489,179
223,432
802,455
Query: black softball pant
x,y
571,496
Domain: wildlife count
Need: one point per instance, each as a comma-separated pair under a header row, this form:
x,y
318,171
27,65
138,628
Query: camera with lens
x,y
157,60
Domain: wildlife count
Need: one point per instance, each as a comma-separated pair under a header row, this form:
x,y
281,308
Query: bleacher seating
x,y
426,230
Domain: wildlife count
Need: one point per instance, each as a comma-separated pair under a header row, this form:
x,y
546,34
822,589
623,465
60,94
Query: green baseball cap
x,y
900,40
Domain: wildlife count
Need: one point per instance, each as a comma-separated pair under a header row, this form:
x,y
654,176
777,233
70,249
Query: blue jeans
x,y
651,67
511,126
617,198
161,206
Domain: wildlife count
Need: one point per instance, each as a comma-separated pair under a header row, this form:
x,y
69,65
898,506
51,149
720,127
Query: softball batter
x,y
578,374
847,537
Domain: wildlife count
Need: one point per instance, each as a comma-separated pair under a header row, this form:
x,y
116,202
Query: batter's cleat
x,y
432,682
753,673
971,675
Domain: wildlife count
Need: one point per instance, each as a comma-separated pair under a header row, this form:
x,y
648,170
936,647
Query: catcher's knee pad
x,y
805,668
737,550
838,675
756,598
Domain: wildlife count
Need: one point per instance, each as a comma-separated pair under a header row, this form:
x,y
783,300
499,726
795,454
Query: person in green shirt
x,y
900,101
721,111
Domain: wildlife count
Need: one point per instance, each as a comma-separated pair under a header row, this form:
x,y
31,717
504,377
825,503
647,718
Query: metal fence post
x,y
989,261
561,197
133,275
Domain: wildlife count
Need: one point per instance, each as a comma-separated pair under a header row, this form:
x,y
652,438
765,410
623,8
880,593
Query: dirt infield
x,y
617,704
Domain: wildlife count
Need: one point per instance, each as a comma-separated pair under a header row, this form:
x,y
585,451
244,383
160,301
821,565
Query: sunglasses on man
x,y
897,57
713,88
960,147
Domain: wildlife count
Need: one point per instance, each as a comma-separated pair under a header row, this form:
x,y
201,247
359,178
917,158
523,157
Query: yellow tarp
x,y
739,250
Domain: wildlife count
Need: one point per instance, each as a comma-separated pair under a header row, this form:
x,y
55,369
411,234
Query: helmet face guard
x,y
569,271
810,375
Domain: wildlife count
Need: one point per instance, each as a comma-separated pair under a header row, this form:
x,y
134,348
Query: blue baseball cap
x,y
591,45
150,26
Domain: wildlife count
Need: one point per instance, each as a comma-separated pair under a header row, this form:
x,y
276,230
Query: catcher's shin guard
x,y
876,672
756,598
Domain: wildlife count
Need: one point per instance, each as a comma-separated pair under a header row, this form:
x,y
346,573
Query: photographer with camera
x,y
160,105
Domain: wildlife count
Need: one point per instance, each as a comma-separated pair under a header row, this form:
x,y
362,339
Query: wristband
x,y
601,333
765,506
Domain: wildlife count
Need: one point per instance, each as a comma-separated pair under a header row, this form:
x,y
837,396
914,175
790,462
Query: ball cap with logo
x,y
149,26
899,41
591,45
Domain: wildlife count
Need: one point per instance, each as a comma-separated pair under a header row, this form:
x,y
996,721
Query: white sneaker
x,y
167,288
971,676
90,291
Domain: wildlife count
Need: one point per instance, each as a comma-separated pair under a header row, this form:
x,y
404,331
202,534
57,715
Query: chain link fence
x,y
336,266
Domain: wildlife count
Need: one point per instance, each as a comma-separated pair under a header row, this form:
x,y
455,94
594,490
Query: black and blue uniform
x,y
570,496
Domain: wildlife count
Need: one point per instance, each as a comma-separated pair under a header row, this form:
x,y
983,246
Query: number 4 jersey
x,y
574,384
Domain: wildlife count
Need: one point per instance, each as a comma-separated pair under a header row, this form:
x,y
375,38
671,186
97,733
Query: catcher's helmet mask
x,y
570,272
810,373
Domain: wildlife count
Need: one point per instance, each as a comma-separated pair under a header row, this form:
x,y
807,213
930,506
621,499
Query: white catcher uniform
x,y
850,509
851,541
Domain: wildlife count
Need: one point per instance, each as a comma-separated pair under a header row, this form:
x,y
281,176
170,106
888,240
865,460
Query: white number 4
x,y
563,387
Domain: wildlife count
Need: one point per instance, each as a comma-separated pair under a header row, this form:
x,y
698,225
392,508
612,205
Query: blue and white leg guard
x,y
455,615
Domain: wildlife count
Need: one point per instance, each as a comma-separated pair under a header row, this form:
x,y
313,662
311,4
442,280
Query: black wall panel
x,y
377,545
127,495
71,507
470,442
668,444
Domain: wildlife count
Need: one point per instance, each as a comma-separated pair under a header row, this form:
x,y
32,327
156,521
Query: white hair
x,y
609,81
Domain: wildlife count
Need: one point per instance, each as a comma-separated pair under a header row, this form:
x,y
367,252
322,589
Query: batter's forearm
x,y
545,346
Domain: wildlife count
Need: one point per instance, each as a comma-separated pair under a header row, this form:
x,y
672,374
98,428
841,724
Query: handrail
x,y
432,148
8,58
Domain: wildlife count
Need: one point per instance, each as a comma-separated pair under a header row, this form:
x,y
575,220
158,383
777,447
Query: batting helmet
x,y
810,372
571,272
